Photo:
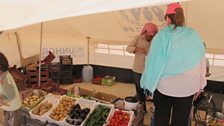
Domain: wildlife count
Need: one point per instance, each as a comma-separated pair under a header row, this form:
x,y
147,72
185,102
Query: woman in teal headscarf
x,y
175,69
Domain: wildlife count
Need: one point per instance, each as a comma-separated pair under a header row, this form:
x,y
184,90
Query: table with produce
x,y
45,109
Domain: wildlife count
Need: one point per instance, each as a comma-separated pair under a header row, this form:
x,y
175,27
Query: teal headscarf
x,y
173,51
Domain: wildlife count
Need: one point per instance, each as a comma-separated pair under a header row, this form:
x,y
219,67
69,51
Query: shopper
x,y
175,69
9,96
140,46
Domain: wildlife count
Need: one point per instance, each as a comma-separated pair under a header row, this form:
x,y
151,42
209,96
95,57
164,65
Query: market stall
x,y
46,109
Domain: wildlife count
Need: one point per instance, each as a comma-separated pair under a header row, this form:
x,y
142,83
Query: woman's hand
x,y
197,94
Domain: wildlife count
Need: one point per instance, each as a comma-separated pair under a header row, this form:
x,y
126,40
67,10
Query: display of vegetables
x,y
119,118
77,115
31,100
62,109
84,112
42,108
98,116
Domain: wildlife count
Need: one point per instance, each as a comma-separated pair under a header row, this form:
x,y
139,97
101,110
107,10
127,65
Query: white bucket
x,y
130,103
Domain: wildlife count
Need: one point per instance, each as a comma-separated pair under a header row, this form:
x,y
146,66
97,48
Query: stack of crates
x,y
55,72
33,75
62,72
66,70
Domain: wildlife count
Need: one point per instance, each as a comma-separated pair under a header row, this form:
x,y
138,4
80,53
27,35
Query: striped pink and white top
x,y
184,84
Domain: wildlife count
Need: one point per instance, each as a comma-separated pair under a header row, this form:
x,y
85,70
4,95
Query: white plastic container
x,y
87,74
130,113
84,103
50,98
110,106
130,103
60,123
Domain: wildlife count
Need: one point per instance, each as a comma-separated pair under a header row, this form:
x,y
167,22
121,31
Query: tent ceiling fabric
x,y
117,26
19,13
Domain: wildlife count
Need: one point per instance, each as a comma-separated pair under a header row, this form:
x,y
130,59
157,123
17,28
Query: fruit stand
x,y
47,109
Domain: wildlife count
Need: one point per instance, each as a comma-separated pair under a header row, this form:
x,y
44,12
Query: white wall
x,y
8,46
207,17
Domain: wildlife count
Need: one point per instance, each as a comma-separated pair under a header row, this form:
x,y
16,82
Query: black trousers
x,y
139,91
180,107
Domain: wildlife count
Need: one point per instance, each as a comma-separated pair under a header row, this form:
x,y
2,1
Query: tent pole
x,y
19,47
88,40
41,38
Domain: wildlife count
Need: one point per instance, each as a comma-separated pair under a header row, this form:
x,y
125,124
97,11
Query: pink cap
x,y
172,7
150,29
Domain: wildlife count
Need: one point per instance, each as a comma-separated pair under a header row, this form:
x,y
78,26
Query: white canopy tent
x,y
18,13
109,22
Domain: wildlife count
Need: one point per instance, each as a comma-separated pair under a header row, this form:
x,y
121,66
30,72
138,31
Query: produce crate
x,y
122,114
36,95
67,80
82,105
100,115
58,113
66,60
26,120
104,97
49,99
19,78
33,122
97,80
108,80
30,60
50,57
139,112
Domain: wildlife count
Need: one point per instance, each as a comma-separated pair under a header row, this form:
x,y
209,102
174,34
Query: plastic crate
x,y
66,60
130,113
26,120
36,92
67,81
50,98
108,80
33,122
84,103
55,67
97,80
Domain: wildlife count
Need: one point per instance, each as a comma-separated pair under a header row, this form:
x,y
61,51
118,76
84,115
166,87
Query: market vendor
x,y
140,46
10,100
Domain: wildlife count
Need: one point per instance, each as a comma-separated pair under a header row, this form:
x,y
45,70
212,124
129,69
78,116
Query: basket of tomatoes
x,y
121,118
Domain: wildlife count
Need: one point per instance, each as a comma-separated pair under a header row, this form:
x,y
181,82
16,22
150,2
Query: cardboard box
x,y
77,91
103,97
84,92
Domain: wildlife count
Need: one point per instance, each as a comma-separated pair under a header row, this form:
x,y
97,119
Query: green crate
x,y
108,80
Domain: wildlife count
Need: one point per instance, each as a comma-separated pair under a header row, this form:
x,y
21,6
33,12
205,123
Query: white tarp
x,y
68,36
18,13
